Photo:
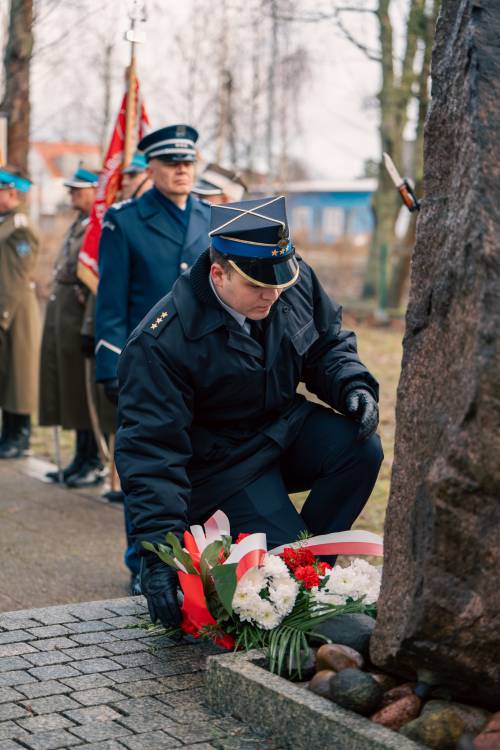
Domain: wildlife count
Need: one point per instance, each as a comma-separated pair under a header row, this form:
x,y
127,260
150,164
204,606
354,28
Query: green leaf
x,y
211,553
225,584
163,552
183,557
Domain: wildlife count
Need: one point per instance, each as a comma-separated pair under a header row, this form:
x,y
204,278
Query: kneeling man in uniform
x,y
209,411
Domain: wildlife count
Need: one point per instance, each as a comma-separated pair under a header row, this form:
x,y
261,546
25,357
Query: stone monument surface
x,y
439,611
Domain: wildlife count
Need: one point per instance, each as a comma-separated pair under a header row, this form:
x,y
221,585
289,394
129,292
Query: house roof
x,y
332,186
52,153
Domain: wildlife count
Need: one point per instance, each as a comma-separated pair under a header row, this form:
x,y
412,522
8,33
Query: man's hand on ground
x,y
361,405
159,584
111,389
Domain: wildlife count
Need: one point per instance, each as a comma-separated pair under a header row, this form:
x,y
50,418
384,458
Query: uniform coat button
x,y
184,266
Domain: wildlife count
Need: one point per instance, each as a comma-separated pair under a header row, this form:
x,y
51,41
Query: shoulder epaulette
x,y
159,319
120,204
20,220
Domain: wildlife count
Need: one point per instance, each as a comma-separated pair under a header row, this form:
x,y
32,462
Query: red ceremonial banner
x,y
107,191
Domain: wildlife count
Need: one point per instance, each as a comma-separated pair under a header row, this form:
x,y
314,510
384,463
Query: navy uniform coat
x,y
141,254
204,410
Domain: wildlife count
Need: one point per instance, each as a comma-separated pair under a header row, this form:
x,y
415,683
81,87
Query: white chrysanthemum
x,y
358,580
253,580
274,566
243,598
266,616
283,596
274,578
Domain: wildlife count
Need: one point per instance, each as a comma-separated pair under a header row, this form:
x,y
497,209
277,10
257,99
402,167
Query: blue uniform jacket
x,y
141,254
204,409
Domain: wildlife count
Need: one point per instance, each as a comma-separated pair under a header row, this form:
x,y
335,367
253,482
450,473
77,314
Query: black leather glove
x,y
87,345
159,584
361,405
111,389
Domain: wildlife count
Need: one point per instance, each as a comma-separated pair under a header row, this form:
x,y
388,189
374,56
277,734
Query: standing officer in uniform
x,y
145,245
209,414
135,182
19,316
219,185
135,178
63,399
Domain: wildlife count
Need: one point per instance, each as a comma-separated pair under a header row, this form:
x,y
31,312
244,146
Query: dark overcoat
x,y
141,254
204,410
63,399
19,315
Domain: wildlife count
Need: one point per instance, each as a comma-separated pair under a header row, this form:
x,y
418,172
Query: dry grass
x,y
380,350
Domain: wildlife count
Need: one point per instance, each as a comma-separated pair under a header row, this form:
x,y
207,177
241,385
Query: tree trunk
x,y
385,200
16,102
394,97
107,67
404,251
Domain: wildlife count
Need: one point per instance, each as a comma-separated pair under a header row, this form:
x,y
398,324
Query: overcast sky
x,y
337,111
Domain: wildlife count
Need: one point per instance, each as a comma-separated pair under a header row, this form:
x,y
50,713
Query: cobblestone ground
x,y
79,676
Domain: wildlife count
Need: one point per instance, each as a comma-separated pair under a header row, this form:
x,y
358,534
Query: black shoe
x,y
17,445
14,449
135,584
4,437
89,475
114,496
70,469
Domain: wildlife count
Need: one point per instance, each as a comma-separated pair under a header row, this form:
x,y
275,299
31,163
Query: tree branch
x,y
370,54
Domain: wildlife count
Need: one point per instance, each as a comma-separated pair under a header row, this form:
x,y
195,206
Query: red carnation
x,y
307,575
295,558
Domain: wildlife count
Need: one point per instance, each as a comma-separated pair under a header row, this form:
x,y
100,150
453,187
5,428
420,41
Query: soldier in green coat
x,y
19,316
63,398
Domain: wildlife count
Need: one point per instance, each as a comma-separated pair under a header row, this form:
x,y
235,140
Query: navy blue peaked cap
x,y
254,237
173,143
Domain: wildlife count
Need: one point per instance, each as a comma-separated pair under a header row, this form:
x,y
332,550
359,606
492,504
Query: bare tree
x,y
16,100
399,88
403,81
402,251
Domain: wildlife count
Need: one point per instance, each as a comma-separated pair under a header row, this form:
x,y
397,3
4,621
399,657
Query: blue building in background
x,y
323,212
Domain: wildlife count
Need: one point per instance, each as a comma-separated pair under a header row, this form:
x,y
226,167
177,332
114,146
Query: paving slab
x,y
97,697
58,546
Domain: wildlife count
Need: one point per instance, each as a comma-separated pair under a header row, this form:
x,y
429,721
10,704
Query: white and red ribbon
x,y
339,543
250,551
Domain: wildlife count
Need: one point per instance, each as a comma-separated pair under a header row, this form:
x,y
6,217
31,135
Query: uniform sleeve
x,y
332,366
112,298
25,246
153,446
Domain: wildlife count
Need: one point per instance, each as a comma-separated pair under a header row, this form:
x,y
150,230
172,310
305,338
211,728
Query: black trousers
x,y
326,460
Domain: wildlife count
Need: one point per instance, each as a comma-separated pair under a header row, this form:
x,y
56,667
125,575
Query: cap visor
x,y
79,184
270,274
202,190
174,157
